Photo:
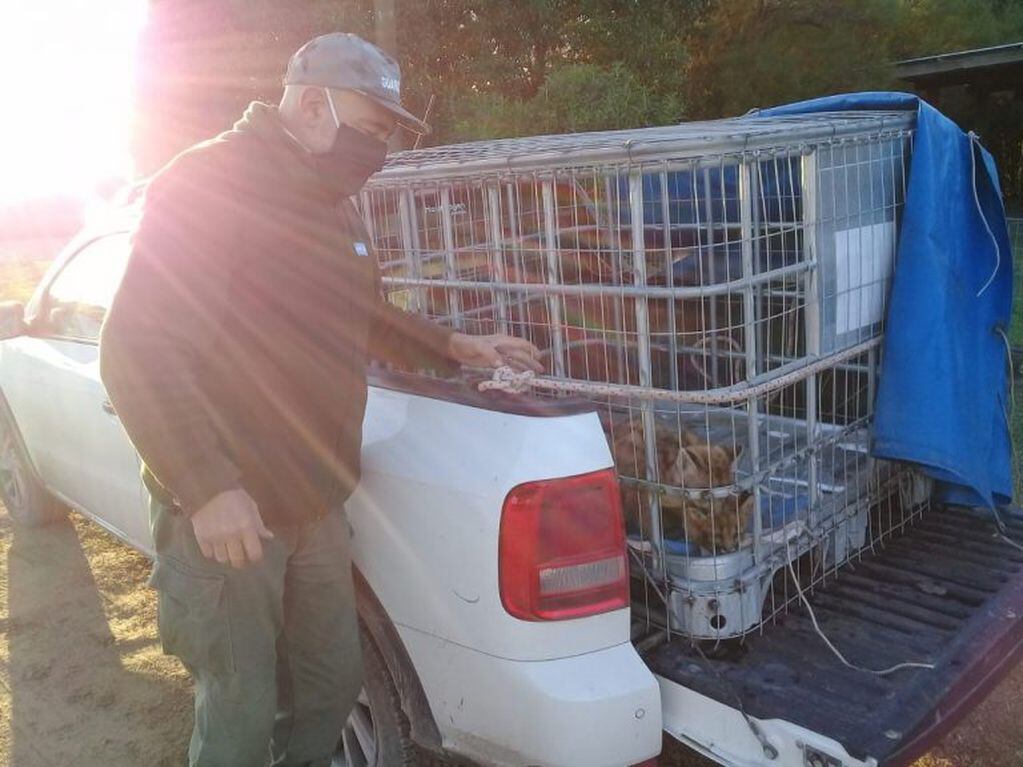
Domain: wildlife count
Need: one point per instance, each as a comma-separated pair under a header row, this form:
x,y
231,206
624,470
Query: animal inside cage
x,y
718,289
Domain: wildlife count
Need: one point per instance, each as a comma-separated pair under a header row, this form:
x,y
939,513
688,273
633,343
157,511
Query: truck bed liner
x,y
947,591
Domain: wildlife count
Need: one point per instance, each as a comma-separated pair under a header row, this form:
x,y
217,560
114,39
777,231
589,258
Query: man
x,y
234,353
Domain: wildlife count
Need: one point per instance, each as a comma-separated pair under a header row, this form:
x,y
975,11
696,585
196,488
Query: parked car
x,y
462,655
479,652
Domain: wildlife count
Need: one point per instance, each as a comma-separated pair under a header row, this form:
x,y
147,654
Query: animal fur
x,y
714,524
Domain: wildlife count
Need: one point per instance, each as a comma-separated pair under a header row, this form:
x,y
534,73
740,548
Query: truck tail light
x,y
562,548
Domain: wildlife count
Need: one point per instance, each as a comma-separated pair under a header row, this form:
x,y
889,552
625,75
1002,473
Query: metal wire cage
x,y
718,288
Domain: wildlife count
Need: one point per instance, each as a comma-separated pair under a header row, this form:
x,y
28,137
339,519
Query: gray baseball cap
x,y
347,62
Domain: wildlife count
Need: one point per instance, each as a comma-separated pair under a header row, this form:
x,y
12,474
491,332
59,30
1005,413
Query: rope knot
x,y
507,380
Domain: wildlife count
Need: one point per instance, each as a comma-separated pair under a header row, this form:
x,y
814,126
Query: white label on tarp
x,y
863,265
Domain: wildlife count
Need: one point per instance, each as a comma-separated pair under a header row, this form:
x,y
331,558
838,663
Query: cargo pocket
x,y
192,616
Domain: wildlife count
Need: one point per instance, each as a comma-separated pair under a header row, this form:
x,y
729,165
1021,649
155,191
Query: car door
x,y
69,425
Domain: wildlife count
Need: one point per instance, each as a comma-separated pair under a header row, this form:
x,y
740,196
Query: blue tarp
x,y
942,399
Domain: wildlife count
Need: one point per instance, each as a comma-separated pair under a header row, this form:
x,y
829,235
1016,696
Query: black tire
x,y
377,719
27,500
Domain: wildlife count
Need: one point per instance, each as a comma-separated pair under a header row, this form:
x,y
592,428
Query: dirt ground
x,y
83,680
82,677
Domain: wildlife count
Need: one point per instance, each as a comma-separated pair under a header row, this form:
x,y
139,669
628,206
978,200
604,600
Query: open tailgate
x,y
948,591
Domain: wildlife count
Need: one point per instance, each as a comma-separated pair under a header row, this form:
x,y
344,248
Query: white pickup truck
x,y
527,654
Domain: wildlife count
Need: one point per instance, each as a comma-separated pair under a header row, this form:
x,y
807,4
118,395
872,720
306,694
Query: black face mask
x,y
350,161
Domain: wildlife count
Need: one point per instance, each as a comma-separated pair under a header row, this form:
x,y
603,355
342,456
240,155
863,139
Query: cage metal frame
x,y
629,157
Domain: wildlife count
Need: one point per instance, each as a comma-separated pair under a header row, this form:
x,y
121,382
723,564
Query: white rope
x,y
507,380
769,749
823,636
975,139
1002,529
1009,541
653,582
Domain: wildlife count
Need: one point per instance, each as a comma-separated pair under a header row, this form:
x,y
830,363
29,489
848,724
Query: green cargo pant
x,y
273,648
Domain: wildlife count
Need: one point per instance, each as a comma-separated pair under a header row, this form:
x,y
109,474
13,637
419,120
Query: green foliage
x,y
486,47
502,69
574,97
754,54
648,37
748,53
927,27
478,116
585,97
531,66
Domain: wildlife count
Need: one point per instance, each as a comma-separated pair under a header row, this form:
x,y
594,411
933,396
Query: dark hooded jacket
x,y
235,349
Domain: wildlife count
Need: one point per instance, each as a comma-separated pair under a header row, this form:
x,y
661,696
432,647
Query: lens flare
x,y
66,75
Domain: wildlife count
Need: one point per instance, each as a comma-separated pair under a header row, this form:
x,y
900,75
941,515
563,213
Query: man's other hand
x,y
494,351
228,528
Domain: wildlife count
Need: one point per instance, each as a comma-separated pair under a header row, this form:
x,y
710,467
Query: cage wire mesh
x,y
718,290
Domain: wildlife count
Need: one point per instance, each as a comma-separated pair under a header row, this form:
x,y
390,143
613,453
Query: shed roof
x,y
990,66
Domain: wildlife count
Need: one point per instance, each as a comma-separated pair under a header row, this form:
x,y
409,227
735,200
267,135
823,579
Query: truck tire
x,y
28,502
377,733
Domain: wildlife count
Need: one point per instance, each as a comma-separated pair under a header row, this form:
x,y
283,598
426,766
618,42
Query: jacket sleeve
x,y
163,316
407,339
397,336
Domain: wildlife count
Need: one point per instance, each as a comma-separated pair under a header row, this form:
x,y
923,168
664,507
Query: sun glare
x,y
66,69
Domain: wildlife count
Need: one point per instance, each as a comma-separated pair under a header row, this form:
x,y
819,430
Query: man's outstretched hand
x,y
494,351
228,528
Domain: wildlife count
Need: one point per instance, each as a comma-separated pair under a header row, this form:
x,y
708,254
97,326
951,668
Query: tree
x,y
201,61
507,68
755,53
926,27
503,68
573,98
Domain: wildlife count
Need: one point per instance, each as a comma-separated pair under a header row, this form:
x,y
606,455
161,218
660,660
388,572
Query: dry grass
x,y
82,677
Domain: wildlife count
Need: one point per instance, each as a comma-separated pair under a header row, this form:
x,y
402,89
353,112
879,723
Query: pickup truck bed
x,y
947,591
